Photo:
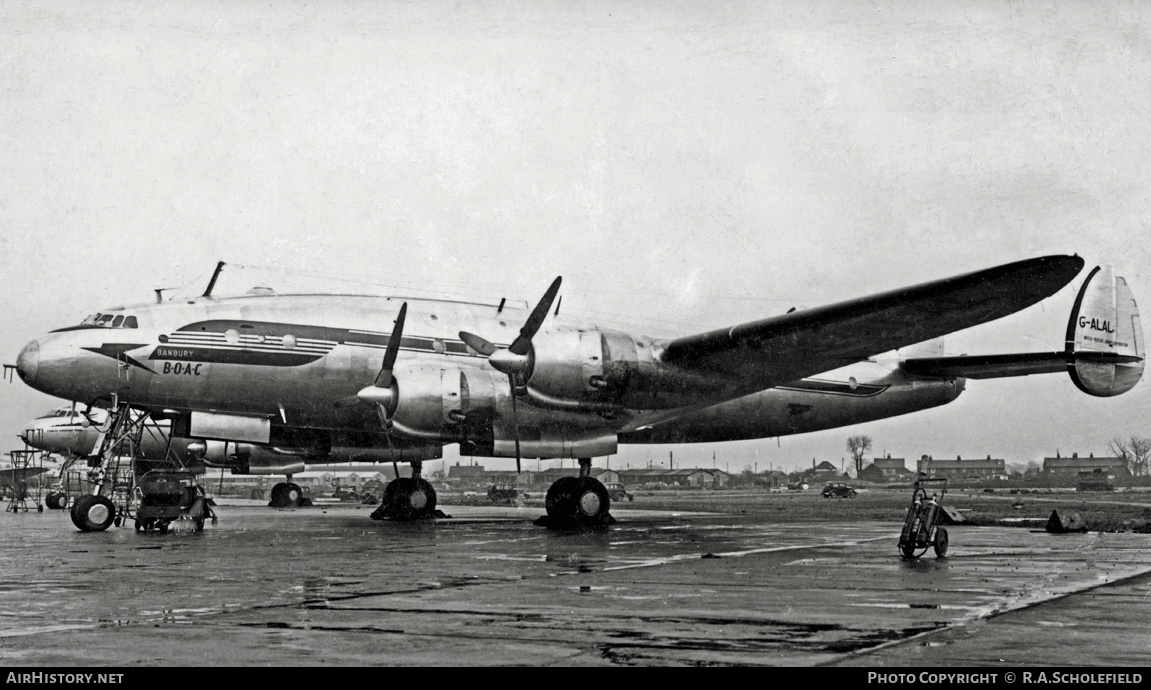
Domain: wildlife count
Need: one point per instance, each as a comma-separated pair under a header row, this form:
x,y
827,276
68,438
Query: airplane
x,y
14,478
76,435
314,371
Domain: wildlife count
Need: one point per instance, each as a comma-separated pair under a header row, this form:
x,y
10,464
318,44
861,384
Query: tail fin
x,y
1105,319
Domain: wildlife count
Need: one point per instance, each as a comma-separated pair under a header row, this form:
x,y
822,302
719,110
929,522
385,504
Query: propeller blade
x,y
384,378
477,343
522,343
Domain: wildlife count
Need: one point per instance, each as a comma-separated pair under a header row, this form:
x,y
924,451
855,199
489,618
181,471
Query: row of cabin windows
x,y
110,321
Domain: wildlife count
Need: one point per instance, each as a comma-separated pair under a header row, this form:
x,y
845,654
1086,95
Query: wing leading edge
x,y
792,346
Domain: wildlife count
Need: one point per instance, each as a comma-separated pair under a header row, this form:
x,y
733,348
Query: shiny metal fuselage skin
x,y
289,358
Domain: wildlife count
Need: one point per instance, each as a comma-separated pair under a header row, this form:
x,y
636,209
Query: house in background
x,y
1073,465
978,468
887,469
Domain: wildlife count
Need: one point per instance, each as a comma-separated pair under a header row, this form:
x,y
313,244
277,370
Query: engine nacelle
x,y
221,453
434,401
588,365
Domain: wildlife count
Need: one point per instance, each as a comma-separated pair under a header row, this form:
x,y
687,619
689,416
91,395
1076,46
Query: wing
x,y
786,348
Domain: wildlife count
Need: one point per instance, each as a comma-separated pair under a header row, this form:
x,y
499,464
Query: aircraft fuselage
x,y
289,359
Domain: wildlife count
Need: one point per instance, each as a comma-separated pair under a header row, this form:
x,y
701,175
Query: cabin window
x,y
130,322
117,321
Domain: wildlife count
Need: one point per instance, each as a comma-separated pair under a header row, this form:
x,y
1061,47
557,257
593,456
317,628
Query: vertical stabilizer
x,y
1105,319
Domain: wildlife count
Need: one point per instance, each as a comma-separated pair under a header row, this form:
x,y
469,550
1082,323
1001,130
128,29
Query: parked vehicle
x,y
505,493
837,490
618,492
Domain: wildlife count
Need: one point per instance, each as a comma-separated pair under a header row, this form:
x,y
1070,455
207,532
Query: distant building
x,y
887,469
694,477
478,475
979,468
823,471
1073,465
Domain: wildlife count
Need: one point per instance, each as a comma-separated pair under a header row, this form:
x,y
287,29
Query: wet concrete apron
x,y
326,585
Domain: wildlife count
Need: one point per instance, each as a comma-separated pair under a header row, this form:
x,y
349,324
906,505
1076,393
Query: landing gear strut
x,y
578,501
407,498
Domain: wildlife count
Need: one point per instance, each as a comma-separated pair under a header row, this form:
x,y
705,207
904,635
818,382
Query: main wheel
x,y
411,499
560,499
940,542
579,499
93,513
591,499
285,495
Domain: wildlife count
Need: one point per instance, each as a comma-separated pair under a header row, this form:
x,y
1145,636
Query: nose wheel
x,y
93,513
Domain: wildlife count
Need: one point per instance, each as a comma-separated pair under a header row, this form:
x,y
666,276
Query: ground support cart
x,y
166,496
921,529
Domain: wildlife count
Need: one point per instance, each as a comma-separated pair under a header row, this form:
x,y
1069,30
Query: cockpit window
x,y
63,412
110,321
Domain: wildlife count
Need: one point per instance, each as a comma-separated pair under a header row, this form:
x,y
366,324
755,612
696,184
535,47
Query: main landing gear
x,y
288,495
408,498
581,501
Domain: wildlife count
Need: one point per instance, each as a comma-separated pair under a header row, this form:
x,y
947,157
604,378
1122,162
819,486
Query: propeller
x,y
516,360
383,392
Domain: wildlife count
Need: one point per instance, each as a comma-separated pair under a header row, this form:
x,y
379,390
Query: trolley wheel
x,y
93,513
940,542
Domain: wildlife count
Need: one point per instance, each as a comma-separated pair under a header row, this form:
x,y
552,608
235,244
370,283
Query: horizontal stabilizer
x,y
999,366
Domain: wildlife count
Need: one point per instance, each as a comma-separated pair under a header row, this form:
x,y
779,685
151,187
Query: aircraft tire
x,y
285,495
560,499
592,501
57,500
93,513
411,499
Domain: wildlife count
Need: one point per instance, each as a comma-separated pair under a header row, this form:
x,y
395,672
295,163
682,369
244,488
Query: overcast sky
x,y
682,165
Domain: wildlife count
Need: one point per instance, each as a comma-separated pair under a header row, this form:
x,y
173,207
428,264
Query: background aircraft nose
x,y
28,362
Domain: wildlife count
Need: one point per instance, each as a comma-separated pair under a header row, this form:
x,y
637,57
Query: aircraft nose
x,y
28,362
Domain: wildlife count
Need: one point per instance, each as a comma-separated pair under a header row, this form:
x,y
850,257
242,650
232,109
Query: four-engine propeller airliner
x,y
406,376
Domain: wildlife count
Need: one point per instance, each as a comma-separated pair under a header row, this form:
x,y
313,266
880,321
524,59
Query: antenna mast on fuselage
x,y
212,282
